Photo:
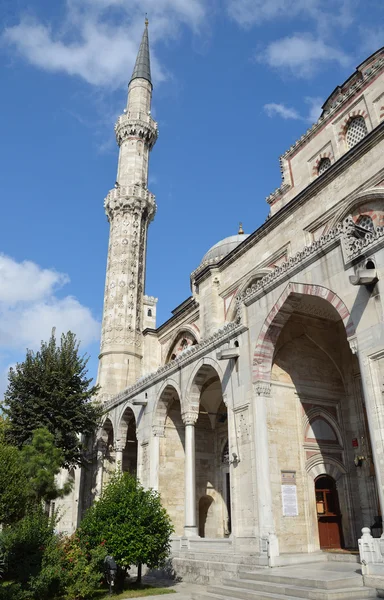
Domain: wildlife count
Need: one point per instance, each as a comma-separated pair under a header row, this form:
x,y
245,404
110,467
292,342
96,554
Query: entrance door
x,y
328,513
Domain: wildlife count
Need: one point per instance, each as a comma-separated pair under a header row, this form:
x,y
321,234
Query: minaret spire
x,y
142,69
130,207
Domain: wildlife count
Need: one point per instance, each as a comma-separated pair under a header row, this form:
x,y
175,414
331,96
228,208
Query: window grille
x,y
357,130
366,222
324,164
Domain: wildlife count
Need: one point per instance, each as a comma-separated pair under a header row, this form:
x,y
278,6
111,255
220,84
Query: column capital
x,y
189,417
119,446
353,345
158,430
262,388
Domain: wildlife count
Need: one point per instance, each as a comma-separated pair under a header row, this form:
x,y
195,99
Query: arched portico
x,y
126,443
304,360
207,483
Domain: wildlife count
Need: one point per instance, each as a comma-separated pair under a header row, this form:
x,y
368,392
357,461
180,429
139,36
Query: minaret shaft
x,y
130,207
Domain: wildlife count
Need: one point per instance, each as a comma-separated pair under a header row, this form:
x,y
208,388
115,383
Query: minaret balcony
x,y
139,126
133,199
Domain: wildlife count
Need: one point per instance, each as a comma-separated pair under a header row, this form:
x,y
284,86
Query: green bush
x,y
83,568
131,522
23,546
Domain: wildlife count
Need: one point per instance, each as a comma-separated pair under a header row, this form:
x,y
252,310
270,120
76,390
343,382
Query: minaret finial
x,y
241,230
146,20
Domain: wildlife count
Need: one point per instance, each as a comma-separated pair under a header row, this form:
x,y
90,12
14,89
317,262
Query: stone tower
x,y
130,207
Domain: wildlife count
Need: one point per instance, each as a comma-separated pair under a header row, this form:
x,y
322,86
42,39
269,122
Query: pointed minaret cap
x,y
142,68
241,230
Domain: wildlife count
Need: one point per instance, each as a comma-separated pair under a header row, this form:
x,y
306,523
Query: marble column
x,y
157,434
119,449
101,450
375,414
190,527
269,544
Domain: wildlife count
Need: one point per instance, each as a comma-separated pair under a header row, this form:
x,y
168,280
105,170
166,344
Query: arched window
x,y
149,313
324,164
366,222
356,131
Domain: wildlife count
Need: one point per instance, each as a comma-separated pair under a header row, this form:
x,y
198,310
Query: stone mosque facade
x,y
257,409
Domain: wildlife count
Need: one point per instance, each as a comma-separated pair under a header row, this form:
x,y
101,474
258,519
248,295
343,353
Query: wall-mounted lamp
x,y
235,459
358,460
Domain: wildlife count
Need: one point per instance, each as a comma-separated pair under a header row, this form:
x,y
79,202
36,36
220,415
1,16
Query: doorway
x,y
328,513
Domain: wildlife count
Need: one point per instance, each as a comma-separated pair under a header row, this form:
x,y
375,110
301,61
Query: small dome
x,y
224,247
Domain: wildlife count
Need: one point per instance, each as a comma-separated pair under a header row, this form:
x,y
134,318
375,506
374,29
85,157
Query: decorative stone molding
x,y
135,199
191,353
189,417
278,193
263,388
143,127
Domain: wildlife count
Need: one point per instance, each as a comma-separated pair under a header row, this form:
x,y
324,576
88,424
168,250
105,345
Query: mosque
x,y
257,409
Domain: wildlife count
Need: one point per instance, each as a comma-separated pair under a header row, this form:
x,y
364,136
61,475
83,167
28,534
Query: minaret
x,y
130,207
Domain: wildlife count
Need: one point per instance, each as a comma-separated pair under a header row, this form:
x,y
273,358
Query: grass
x,y
136,592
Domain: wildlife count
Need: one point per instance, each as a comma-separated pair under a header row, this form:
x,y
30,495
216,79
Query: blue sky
x,y
236,83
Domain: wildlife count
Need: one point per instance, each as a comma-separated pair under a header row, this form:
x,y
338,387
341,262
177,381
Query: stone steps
x,y
306,583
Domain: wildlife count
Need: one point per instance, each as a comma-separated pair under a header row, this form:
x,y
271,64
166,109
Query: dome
x,y
224,247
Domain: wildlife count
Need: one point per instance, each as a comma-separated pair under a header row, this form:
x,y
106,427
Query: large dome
x,y
224,247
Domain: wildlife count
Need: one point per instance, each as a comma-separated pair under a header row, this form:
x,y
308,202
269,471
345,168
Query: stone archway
x,y
279,315
126,443
169,441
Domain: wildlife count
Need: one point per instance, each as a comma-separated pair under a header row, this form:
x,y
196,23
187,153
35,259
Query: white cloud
x,y
274,109
301,55
281,110
253,12
30,308
96,47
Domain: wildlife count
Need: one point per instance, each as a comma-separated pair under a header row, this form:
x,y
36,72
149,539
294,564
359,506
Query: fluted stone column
x,y
190,527
269,545
157,434
119,449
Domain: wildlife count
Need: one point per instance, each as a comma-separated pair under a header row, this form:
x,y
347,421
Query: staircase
x,y
311,581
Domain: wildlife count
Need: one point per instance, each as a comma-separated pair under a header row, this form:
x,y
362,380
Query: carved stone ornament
x,y
135,199
144,128
262,388
189,417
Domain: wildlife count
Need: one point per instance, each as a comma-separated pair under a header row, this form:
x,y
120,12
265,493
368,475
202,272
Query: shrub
x,y
83,568
132,523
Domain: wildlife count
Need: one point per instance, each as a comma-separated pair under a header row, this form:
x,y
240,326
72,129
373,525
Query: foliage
x,y
23,545
13,485
51,389
42,462
132,523
83,568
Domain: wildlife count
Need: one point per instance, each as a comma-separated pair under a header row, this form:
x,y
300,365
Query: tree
x,y
131,522
13,485
51,389
42,462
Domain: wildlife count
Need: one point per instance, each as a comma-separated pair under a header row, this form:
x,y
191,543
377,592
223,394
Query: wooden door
x,y
328,513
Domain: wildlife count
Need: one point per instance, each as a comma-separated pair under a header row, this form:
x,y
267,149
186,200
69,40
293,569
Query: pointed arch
x,y
169,391
279,315
352,203
205,369
189,333
319,465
